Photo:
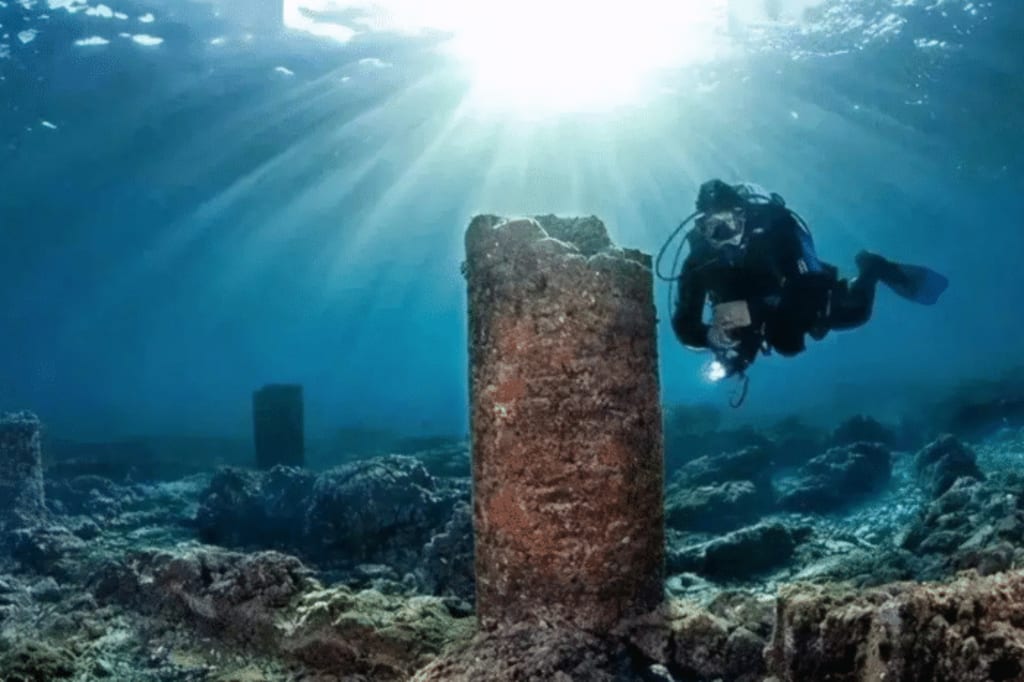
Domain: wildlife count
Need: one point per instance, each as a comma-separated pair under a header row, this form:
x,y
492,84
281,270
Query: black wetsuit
x,y
789,291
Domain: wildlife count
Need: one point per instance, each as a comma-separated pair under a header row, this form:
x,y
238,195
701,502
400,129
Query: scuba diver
x,y
753,260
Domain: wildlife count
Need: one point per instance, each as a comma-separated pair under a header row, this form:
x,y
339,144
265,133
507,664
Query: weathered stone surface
x,y
835,479
715,508
941,463
241,598
749,464
566,423
446,567
533,654
380,510
971,630
862,429
695,644
278,426
975,524
366,632
739,554
268,603
21,471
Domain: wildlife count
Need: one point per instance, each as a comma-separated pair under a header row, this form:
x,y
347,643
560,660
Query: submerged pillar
x,y
566,424
277,417
21,471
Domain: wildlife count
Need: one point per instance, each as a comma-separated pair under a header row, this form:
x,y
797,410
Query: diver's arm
x,y
687,318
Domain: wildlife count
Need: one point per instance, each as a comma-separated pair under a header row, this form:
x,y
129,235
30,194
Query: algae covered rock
x,y
370,633
712,508
944,461
269,604
970,630
837,478
740,554
31,661
380,510
862,429
975,524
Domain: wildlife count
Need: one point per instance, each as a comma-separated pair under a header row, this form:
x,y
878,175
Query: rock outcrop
x,y
941,463
835,479
971,630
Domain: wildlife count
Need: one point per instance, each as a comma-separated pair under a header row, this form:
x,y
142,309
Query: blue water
x,y
214,201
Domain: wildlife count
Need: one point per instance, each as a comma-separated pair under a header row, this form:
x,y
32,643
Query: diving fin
x,y
916,283
913,282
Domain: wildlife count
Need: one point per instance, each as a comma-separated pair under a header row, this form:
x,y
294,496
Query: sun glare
x,y
550,56
542,56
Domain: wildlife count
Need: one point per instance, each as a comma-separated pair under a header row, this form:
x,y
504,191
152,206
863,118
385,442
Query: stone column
x,y
21,471
278,434
566,424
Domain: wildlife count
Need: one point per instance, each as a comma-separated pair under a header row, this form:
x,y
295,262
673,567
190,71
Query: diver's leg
x,y
852,301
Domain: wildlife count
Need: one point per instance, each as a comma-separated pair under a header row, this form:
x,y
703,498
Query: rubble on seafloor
x,y
862,552
116,583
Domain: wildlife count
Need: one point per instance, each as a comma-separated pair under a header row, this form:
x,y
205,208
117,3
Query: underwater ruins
x,y
581,533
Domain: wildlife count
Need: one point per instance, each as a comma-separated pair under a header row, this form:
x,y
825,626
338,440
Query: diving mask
x,y
724,228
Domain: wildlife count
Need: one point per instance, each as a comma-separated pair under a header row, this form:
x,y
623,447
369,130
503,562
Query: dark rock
x,y
862,429
975,524
740,554
50,550
375,511
249,508
835,479
231,596
753,464
715,508
88,495
447,561
940,464
381,510
21,471
795,442
692,432
32,661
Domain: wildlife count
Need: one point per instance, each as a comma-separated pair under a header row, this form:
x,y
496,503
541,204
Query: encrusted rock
x,y
740,554
370,633
975,524
31,661
566,424
446,567
241,598
380,510
971,630
21,471
838,477
714,508
941,463
268,603
862,429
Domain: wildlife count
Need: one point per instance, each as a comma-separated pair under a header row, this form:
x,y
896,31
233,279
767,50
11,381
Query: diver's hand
x,y
720,340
